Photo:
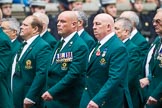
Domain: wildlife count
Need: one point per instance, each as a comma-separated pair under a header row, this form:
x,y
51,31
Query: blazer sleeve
x,y
157,93
5,54
117,71
134,66
76,68
42,63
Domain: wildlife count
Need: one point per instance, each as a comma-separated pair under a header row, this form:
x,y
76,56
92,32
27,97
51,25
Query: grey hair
x,y
13,24
159,10
132,16
82,17
126,23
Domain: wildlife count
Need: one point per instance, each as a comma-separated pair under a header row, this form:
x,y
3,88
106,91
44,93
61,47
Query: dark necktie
x,y
95,50
60,46
58,49
17,69
97,45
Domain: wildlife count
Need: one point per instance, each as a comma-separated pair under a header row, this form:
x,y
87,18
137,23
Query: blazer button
x,y
85,88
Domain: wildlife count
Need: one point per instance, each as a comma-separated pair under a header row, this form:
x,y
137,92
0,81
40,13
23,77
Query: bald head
x,y
106,18
67,23
132,16
103,25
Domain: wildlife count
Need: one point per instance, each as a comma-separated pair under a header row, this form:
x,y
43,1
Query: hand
x,y
27,104
144,82
91,104
46,96
151,100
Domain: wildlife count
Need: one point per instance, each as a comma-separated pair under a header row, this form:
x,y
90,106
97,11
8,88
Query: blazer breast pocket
x,y
28,64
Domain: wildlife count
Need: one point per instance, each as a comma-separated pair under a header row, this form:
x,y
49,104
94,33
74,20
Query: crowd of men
x,y
107,64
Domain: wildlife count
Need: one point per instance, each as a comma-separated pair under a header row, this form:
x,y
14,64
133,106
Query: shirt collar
x,y
106,38
67,39
13,40
29,41
41,34
125,40
80,32
133,33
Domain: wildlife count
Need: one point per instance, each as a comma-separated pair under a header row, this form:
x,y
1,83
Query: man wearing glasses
x,y
153,67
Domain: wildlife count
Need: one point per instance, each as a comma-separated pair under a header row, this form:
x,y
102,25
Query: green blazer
x,y
15,46
66,78
142,44
88,40
133,74
106,77
5,73
30,81
49,39
155,77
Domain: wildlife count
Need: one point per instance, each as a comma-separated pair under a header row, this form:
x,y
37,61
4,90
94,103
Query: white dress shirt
x,y
103,41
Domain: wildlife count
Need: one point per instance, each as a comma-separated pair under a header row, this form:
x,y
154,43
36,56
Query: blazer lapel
x,y
102,48
83,34
70,43
29,49
156,61
66,48
54,51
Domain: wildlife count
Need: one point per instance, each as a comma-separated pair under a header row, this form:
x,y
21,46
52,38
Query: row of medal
x,y
64,57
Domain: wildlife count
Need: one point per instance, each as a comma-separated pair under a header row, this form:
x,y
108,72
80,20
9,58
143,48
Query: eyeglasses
x,y
157,21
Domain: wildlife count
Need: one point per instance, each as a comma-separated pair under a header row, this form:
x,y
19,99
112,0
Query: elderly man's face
x,y
120,32
157,22
99,28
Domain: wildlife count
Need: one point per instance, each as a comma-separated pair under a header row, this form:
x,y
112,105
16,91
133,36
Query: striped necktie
x,y
60,46
17,69
96,48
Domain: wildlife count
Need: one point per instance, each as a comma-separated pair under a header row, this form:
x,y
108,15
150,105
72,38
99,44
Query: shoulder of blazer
x,y
48,35
4,36
36,41
138,35
77,41
111,40
130,45
39,41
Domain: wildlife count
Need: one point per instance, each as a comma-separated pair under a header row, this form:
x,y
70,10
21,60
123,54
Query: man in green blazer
x,y
47,36
123,28
68,66
82,23
135,36
29,69
153,67
5,73
106,77
138,40
12,28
